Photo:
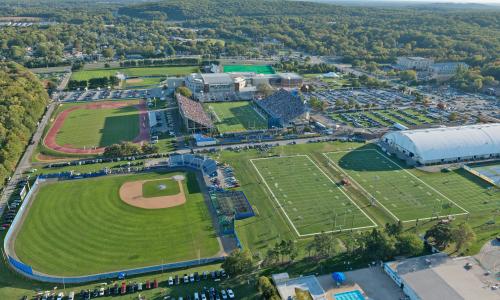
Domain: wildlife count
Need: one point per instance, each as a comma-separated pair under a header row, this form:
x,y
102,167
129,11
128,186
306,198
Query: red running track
x,y
50,139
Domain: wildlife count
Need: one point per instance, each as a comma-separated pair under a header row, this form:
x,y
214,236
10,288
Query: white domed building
x,y
445,144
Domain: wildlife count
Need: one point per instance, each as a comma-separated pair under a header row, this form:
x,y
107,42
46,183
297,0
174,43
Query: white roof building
x,y
439,277
446,144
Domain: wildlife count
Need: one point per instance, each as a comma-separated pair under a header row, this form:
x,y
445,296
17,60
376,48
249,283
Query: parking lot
x,y
207,285
386,118
92,95
380,98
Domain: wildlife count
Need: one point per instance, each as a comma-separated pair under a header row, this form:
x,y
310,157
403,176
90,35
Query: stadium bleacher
x,y
206,165
282,107
194,116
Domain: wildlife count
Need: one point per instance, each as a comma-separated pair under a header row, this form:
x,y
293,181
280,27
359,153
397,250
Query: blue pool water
x,y
351,295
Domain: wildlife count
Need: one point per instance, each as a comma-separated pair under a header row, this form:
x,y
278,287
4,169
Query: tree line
x,y
253,28
93,83
23,100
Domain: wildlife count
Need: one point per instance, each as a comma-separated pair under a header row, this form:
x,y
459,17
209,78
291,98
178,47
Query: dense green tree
x,y
238,262
377,245
439,235
408,75
22,102
184,91
462,236
266,288
409,244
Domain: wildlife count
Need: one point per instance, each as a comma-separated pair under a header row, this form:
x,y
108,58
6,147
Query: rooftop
x,y
217,78
439,277
286,287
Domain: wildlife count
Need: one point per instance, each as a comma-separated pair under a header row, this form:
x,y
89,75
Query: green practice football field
x,y
309,199
99,127
259,69
82,227
160,187
235,116
398,191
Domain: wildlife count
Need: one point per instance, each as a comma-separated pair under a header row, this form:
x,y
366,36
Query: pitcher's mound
x,y
132,194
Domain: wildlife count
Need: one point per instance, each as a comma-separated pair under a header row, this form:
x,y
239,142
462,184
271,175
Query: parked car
x,y
230,293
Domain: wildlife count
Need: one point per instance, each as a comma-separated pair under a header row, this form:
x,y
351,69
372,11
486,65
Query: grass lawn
x,y
142,81
83,227
137,71
99,127
259,69
405,196
309,199
235,116
160,187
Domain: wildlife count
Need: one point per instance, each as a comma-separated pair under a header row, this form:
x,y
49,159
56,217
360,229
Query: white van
x,y
196,296
71,296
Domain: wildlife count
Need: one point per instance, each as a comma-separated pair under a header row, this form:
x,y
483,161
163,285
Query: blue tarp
x,y
338,277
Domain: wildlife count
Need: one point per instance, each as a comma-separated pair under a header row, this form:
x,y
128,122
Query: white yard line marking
x,y
275,198
282,208
406,171
338,169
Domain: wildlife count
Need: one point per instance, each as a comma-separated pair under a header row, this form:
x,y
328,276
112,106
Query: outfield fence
x,y
27,270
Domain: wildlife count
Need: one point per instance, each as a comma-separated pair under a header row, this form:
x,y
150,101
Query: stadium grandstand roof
x,y
283,105
446,143
217,78
193,110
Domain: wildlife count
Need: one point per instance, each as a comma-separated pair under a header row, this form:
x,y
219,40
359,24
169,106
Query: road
x,y
273,143
25,162
64,81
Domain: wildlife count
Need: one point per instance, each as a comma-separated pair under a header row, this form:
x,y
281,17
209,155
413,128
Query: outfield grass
x,y
309,199
99,127
83,227
160,187
259,69
134,72
235,116
405,196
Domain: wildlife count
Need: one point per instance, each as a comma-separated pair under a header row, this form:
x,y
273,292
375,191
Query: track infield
x,y
89,128
307,197
401,193
82,227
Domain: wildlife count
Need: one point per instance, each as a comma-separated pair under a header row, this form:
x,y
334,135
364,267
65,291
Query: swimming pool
x,y
350,295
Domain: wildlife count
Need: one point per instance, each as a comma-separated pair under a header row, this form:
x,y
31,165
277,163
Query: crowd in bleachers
x,y
283,106
193,111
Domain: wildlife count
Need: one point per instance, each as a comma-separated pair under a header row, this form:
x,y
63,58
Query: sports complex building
x,y
278,110
208,87
444,145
